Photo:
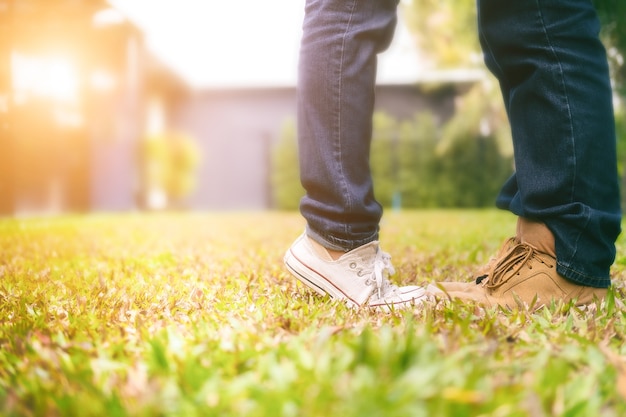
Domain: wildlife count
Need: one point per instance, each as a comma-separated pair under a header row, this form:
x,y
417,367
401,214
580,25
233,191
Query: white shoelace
x,y
382,269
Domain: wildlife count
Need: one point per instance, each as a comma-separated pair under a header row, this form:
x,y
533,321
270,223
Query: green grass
x,y
194,315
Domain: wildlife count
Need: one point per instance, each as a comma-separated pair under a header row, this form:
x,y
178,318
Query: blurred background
x,y
117,105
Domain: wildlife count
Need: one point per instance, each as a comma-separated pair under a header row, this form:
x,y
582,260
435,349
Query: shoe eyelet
x,y
368,282
360,273
352,265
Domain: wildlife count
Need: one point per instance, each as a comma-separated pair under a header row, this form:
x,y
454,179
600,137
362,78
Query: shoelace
x,y
377,274
382,270
509,265
483,272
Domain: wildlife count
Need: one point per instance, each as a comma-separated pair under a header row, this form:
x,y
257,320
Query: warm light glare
x,y
108,17
68,117
4,103
222,43
51,77
102,80
155,117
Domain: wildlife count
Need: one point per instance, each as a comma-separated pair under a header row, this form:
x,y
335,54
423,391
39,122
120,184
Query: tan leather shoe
x,y
522,272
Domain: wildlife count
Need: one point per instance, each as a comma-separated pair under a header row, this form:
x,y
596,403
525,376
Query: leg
x,y
554,78
555,82
335,104
340,42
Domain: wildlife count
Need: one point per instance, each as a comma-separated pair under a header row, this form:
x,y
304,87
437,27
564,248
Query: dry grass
x,y
194,314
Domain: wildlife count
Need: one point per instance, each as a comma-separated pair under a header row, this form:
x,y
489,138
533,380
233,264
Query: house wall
x,y
236,130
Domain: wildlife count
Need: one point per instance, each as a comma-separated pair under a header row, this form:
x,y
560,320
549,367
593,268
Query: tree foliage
x,y
285,170
168,165
445,31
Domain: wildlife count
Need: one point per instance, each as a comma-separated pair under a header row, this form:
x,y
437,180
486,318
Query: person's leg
x,y
555,81
554,78
337,74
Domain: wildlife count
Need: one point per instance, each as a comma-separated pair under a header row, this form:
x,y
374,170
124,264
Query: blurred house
x,y
80,91
74,81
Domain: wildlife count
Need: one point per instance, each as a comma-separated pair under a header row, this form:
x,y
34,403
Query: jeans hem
x,y
334,243
580,278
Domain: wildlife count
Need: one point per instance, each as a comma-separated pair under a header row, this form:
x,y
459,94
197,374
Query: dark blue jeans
x,y
337,73
553,72
554,78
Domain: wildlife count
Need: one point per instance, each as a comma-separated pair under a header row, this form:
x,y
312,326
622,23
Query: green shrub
x,y
285,171
168,165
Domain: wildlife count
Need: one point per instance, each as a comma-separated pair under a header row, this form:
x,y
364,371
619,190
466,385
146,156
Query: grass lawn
x,y
194,315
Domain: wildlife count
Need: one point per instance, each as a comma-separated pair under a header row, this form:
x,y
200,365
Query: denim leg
x,y
554,77
337,74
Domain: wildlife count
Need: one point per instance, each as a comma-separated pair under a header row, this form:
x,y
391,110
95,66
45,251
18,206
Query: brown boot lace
x,y
484,270
510,264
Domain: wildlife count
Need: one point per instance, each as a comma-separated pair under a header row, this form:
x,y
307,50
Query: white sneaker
x,y
359,277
